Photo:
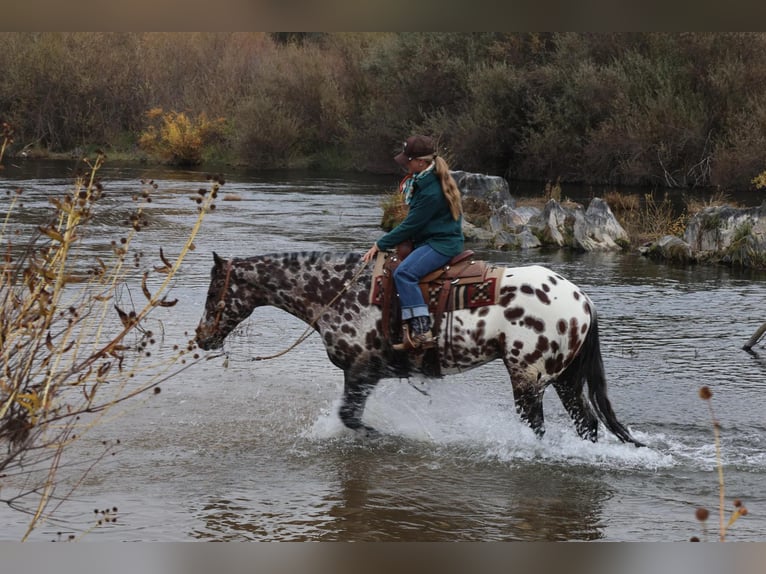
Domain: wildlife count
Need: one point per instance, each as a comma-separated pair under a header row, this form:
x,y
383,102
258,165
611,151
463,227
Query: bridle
x,y
221,305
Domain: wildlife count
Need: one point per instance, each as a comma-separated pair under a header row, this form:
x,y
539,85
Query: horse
x,y
543,327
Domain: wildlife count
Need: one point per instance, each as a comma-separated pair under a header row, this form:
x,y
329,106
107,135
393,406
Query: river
x,y
255,450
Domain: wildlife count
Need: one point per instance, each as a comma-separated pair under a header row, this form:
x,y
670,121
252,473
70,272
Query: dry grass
x,y
695,205
648,218
72,348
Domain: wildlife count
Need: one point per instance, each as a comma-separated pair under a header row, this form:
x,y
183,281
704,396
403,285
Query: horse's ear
x,y
217,260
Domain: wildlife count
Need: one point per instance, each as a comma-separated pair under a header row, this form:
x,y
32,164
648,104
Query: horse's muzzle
x,y
206,341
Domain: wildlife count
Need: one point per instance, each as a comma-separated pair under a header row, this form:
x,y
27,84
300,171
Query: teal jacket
x,y
428,221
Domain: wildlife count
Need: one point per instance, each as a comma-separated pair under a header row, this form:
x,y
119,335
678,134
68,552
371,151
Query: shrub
x,y
177,138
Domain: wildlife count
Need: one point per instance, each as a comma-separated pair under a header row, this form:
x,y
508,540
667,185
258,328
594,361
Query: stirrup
x,y
417,341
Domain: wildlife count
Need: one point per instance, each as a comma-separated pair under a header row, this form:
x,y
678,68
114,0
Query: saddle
x,y
463,283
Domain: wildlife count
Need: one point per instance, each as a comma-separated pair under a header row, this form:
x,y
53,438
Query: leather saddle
x,y
464,282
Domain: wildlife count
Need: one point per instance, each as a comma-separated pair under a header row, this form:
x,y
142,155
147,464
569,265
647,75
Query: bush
x,y
179,139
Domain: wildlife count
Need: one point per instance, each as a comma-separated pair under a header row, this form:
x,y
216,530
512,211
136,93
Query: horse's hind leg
x,y
356,390
528,397
574,402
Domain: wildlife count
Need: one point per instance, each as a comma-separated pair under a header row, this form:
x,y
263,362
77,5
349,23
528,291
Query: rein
x,y
221,305
307,333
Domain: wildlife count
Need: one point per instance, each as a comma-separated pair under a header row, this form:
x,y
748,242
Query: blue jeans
x,y
415,266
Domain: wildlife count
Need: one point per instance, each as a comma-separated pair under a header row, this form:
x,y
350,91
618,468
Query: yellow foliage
x,y
178,138
759,181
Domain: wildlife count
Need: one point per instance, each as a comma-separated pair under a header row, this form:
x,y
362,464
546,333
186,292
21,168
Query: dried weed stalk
x,y
702,513
69,352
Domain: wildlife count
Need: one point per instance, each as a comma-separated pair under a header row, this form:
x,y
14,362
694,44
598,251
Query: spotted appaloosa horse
x,y
543,327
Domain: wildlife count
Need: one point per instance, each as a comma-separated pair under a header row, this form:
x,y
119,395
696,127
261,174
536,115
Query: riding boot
x,y
416,334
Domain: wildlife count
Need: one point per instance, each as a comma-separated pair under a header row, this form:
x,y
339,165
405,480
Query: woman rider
x,y
434,223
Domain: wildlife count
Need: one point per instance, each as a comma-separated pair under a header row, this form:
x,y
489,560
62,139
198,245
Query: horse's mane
x,y
350,258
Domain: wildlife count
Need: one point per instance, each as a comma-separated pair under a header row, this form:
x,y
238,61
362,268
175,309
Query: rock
x,y
729,235
715,229
669,248
597,229
472,233
554,225
507,217
491,189
492,218
514,241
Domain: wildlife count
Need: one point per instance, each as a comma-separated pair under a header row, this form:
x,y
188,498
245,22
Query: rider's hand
x,y
371,253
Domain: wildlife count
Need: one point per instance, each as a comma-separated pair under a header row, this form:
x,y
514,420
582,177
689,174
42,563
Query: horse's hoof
x,y
369,432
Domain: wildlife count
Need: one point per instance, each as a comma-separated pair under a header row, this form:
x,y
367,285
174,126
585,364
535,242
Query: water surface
x,y
255,451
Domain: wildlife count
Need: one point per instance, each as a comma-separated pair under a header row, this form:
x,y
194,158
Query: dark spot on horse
x,y
532,358
553,280
328,338
543,297
537,325
546,287
513,313
527,289
371,340
518,344
576,295
348,330
483,311
554,365
574,338
507,294
542,343
561,326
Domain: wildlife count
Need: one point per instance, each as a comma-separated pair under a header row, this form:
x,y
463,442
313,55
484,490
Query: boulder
x,y
554,225
491,189
669,248
492,218
734,236
715,229
597,229
508,241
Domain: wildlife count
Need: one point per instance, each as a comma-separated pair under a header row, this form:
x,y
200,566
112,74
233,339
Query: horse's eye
x,y
220,305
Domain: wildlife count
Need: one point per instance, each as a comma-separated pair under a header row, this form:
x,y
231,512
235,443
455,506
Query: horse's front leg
x,y
356,390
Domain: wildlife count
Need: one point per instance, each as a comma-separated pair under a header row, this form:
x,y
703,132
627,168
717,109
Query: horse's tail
x,y
591,368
